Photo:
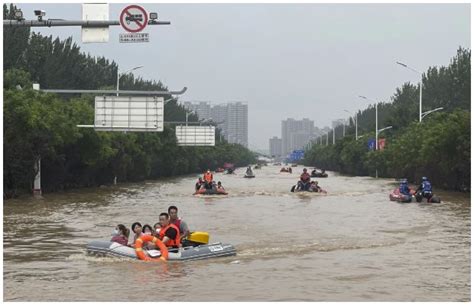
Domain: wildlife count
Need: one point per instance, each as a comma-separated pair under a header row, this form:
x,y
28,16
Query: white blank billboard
x,y
95,12
196,135
126,113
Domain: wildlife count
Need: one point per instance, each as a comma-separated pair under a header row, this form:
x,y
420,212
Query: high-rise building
x,y
275,147
237,123
338,122
295,134
231,119
202,109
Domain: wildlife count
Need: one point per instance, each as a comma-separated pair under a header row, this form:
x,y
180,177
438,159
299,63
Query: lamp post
x,y
431,111
327,136
121,74
333,136
377,130
355,120
421,83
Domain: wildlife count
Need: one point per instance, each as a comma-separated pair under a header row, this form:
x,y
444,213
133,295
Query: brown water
x,y
351,245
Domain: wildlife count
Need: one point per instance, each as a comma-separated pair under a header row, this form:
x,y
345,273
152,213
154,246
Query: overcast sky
x,y
285,60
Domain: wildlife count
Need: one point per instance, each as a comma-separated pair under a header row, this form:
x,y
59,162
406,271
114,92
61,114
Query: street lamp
x,y
121,74
355,119
377,130
431,111
421,82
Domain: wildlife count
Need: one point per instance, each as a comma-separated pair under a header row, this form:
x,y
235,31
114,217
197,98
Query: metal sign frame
x,y
127,113
196,135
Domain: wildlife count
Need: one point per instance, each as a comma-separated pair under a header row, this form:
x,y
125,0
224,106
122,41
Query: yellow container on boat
x,y
199,237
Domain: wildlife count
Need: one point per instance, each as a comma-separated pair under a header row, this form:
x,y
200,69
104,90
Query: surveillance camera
x,y
40,13
153,16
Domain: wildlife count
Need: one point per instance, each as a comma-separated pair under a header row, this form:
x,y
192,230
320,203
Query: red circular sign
x,y
133,18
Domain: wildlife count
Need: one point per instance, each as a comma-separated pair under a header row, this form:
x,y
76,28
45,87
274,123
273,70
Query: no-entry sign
x,y
133,18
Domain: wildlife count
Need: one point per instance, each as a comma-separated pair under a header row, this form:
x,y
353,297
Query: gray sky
x,y
285,60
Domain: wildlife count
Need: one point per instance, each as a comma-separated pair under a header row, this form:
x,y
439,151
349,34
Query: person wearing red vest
x,y
169,233
178,222
208,179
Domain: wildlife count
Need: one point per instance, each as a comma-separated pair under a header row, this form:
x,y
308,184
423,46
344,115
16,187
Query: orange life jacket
x,y
208,177
172,242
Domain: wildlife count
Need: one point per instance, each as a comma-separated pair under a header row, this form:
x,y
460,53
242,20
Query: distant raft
x,y
204,191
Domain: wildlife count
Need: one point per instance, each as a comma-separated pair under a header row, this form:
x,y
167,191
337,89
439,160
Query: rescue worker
x,y
425,188
404,188
169,233
178,222
208,179
305,180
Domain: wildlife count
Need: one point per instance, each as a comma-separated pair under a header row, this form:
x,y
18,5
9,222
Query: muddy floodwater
x,y
351,245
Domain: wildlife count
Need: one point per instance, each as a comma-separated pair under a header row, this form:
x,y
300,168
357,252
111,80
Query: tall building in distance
x,y
231,119
295,134
275,147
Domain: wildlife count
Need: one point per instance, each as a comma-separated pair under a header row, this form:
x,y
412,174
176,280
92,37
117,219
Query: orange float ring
x,y
147,238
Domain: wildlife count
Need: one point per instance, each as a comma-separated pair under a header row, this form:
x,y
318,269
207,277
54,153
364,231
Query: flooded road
x,y
350,245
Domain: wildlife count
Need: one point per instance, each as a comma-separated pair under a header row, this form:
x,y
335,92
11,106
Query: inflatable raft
x,y
113,249
396,196
319,175
205,191
295,190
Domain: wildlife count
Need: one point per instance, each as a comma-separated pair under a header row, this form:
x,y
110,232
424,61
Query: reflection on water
x,y
352,244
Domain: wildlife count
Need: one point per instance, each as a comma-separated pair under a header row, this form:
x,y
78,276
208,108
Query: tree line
x,y
40,125
439,147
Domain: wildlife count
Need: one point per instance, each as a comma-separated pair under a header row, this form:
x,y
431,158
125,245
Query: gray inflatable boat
x,y
107,248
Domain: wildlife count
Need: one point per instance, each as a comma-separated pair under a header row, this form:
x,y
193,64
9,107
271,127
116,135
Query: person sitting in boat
x,y
249,171
305,180
314,187
208,179
157,230
425,188
199,183
220,187
313,173
169,233
137,229
147,230
120,235
178,222
404,188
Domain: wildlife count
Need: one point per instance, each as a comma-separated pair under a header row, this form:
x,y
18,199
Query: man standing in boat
x,y
208,179
178,222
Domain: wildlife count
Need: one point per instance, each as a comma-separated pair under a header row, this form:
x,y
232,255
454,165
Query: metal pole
x,y
421,90
376,127
83,23
344,129
118,78
327,135
333,136
356,125
37,182
127,92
